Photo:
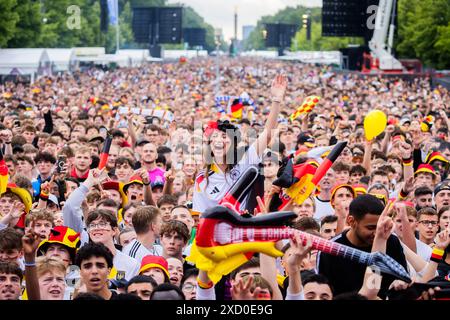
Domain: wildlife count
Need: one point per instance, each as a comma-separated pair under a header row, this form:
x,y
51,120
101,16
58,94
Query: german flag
x,y
4,177
236,109
105,152
301,180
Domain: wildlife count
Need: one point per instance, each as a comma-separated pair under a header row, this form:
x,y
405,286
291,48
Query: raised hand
x,y
385,224
45,187
405,150
143,173
17,209
96,177
442,239
279,85
409,185
390,129
30,243
300,250
169,176
241,291
262,206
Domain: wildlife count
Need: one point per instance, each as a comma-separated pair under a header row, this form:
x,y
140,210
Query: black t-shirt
x,y
114,295
444,269
347,276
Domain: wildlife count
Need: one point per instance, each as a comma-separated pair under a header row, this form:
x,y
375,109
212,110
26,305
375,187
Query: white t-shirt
x,y
209,195
127,267
423,250
323,208
136,250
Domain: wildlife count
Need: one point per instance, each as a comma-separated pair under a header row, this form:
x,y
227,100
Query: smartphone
x,y
60,164
17,123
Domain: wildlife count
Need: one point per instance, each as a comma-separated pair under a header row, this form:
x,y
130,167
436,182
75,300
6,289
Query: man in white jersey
x,y
323,204
102,227
147,224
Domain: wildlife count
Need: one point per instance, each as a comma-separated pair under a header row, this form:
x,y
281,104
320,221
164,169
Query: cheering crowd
x,y
106,175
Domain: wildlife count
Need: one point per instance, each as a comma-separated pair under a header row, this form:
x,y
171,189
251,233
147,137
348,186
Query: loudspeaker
x,y
195,36
280,34
144,25
157,25
287,32
272,37
170,24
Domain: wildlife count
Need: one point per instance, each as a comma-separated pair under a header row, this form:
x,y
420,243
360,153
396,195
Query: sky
x,y
220,13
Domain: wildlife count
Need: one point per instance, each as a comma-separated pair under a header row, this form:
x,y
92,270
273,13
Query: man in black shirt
x,y
345,275
95,262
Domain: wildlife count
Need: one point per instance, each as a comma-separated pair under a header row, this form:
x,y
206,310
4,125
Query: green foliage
x,y
192,19
424,31
28,27
8,20
291,15
319,43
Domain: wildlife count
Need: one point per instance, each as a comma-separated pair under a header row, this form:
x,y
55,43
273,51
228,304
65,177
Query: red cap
x,y
149,262
134,179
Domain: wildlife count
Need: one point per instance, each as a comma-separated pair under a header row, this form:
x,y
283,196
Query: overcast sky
x,y
220,13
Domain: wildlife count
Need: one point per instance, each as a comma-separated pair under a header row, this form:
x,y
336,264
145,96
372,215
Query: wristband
x,y
204,285
408,162
43,196
437,254
7,142
29,264
145,184
403,194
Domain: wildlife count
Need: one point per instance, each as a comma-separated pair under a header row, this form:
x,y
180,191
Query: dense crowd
x,y
70,229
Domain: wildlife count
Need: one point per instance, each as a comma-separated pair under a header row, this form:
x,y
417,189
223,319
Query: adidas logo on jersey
x,y
215,190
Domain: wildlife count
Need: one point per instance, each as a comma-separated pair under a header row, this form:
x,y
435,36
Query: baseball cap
x,y
271,156
444,185
142,141
157,183
54,199
405,120
134,179
306,139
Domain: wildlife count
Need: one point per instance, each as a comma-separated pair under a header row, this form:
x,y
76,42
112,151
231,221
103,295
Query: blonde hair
x,y
49,264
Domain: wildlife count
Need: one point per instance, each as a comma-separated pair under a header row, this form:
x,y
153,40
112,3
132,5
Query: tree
x,y
290,15
423,32
29,25
8,20
320,43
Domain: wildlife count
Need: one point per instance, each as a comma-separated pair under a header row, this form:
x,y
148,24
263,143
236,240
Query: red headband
x,y
212,125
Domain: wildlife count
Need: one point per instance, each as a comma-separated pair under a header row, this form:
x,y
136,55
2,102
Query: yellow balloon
x,y
374,124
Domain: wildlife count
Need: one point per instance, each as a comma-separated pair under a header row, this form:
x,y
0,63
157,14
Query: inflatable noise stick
x,y
301,180
225,238
105,152
234,197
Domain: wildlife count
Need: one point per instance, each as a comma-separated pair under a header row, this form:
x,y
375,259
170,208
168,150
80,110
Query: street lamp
x,y
264,34
307,25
